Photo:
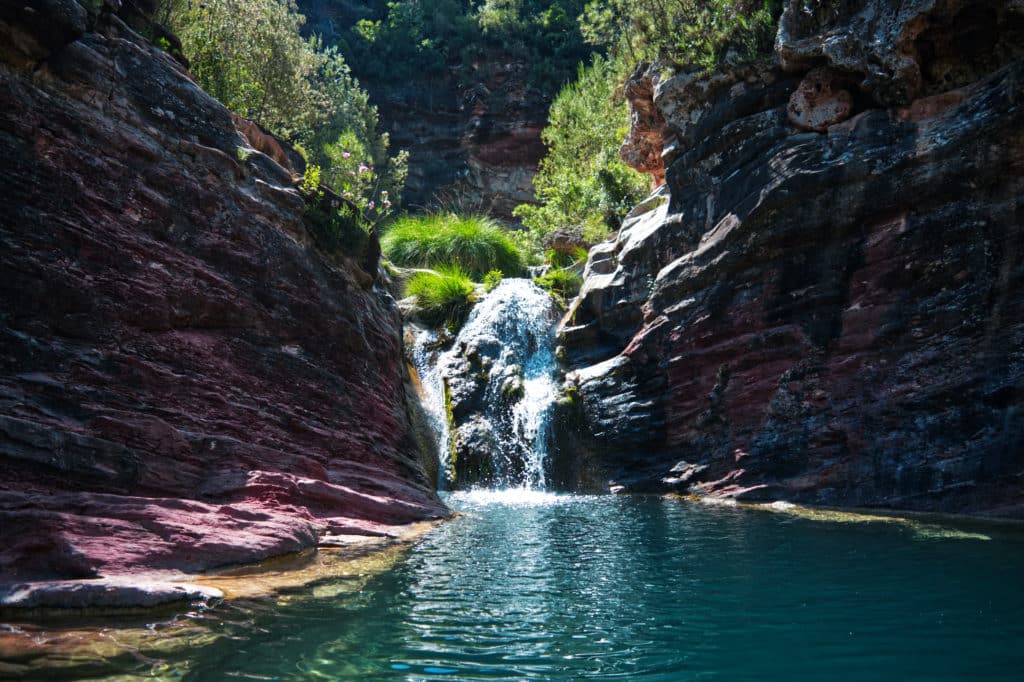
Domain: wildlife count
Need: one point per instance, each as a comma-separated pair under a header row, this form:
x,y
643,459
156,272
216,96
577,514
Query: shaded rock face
x,y
185,382
828,317
473,149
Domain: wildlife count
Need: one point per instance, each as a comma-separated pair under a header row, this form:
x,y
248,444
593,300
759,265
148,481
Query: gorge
x,y
820,304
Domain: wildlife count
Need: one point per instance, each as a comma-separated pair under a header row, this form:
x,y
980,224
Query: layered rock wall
x,y
827,313
472,149
186,381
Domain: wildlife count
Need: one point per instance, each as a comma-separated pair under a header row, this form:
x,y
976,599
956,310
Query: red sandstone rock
x,y
642,149
185,381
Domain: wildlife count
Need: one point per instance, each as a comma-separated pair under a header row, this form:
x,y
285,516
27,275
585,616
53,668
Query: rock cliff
x,y
477,148
824,303
186,381
472,126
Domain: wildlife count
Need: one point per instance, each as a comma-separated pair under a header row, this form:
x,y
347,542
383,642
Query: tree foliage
x,y
250,55
681,32
401,45
582,182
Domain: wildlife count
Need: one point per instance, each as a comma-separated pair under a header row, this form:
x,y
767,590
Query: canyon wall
x,y
472,125
186,380
825,302
475,149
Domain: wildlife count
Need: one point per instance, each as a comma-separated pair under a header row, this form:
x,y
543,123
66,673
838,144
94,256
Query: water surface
x,y
528,585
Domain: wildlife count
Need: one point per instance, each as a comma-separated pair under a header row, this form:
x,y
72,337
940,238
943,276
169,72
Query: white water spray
x,y
504,353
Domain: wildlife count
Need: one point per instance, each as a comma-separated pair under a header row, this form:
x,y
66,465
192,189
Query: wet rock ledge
x,y
825,303
186,381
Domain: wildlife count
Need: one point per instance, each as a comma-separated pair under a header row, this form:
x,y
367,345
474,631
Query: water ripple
x,y
537,586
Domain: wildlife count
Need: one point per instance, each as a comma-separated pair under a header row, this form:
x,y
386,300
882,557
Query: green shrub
x,y
476,244
685,33
491,280
562,283
251,56
582,182
443,297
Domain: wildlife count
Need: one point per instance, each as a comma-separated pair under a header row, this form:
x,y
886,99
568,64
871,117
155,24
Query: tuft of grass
x,y
443,297
476,244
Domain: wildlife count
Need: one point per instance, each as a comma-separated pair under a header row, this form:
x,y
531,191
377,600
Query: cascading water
x,y
492,390
424,353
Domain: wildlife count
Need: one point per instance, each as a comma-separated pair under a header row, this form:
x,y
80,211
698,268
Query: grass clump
x,y
444,297
477,245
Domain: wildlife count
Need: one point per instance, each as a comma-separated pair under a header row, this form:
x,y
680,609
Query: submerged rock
x,y
185,380
827,317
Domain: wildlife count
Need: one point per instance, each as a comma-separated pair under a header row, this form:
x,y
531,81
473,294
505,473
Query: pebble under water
x,y
531,585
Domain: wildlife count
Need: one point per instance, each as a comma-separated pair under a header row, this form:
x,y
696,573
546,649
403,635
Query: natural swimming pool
x,y
530,585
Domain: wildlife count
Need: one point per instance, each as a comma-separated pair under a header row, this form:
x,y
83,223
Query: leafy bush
x,y
476,244
684,33
582,182
443,297
562,283
251,56
336,224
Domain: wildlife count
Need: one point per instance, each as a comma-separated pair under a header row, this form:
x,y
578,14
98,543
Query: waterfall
x,y
492,391
423,354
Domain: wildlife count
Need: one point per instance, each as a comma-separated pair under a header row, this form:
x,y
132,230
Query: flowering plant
x,y
350,172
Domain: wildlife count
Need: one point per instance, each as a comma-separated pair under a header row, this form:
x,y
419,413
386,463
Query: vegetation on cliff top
x,y
582,181
683,33
251,56
400,45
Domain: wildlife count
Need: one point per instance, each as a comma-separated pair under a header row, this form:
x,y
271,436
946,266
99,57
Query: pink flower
x,y
387,203
345,155
362,168
383,192
370,205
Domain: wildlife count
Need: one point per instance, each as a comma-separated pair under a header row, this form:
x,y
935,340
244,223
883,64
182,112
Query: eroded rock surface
x,y
827,317
185,380
642,149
